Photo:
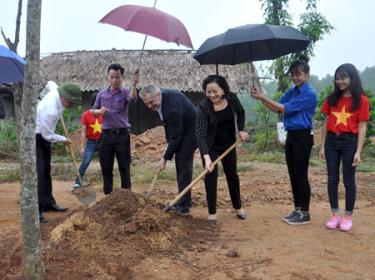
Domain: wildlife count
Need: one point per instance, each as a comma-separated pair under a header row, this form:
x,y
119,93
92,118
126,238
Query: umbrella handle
x,y
140,57
143,47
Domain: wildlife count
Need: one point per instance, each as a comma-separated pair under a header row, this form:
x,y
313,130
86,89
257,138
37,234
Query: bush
x,y
8,136
371,123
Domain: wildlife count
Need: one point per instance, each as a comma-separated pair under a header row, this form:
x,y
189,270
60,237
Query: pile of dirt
x,y
150,144
109,239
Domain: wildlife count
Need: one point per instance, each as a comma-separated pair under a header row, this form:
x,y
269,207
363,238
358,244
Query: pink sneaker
x,y
346,224
333,222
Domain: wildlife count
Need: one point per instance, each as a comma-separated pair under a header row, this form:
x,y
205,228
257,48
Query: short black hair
x,y
219,80
116,67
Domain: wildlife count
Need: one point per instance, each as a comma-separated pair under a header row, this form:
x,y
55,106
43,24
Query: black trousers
x,y
43,167
297,153
115,142
184,158
229,163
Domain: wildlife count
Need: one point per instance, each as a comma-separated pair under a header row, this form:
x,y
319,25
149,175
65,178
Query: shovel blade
x,y
85,194
147,195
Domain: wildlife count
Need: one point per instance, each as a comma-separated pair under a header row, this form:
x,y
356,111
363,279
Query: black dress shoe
x,y
42,220
182,210
56,208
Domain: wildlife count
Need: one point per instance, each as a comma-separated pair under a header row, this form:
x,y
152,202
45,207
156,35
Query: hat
x,y
71,92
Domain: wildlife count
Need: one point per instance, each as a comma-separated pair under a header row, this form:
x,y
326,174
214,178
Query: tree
x,y
34,267
312,24
16,88
13,45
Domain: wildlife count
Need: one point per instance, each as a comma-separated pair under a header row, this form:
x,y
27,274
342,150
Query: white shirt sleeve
x,y
48,126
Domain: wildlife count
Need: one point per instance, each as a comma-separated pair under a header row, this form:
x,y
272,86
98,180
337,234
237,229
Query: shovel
x,y
86,193
152,186
196,180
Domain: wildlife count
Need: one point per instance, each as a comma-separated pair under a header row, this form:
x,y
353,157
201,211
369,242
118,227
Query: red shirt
x,y
93,125
341,119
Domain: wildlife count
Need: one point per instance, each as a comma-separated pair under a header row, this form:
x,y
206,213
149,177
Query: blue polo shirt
x,y
300,107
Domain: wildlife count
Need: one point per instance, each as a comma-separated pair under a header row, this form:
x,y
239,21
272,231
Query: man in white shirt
x,y
49,112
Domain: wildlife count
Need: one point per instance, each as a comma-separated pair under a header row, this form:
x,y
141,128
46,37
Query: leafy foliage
x,y
8,139
312,24
275,12
371,123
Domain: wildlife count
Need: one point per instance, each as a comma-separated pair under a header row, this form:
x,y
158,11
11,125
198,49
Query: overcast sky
x,y
70,25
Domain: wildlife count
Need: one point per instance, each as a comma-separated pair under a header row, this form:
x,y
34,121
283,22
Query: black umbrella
x,y
251,42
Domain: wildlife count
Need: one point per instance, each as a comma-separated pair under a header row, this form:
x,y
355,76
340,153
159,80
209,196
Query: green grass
x,y
11,174
274,156
8,139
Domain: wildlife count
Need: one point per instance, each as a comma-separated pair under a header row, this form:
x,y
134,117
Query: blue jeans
x,y
341,148
90,149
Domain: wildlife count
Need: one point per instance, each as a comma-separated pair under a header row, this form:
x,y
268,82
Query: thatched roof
x,y
165,68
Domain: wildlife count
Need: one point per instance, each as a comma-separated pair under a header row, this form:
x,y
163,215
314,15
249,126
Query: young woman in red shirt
x,y
344,130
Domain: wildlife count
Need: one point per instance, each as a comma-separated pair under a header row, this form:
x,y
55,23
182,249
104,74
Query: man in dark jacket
x,y
178,115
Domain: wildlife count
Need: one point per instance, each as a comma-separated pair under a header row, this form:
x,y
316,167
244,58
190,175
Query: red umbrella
x,y
149,21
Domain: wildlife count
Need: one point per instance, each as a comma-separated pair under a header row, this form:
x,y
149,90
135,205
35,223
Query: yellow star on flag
x,y
97,127
342,117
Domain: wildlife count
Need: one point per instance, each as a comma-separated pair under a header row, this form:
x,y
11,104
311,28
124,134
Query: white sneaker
x,y
212,218
75,187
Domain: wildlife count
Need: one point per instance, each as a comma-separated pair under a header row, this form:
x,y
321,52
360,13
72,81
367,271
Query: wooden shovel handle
x,y
70,149
152,186
200,176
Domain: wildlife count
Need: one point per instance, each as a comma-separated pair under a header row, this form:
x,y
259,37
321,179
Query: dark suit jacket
x,y
179,116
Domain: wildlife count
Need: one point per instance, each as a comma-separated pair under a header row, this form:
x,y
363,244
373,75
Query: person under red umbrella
x,y
113,104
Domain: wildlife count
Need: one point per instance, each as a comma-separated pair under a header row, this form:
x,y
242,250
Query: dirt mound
x,y
112,237
150,144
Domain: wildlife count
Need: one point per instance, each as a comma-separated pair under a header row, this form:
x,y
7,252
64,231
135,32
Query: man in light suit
x,y
178,115
49,112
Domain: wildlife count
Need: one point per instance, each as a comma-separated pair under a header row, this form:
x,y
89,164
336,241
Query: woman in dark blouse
x,y
220,119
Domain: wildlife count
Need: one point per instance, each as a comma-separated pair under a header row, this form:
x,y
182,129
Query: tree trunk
x,y
17,87
34,267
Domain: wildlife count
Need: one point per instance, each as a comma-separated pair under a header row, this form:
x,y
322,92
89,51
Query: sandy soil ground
x,y
261,247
